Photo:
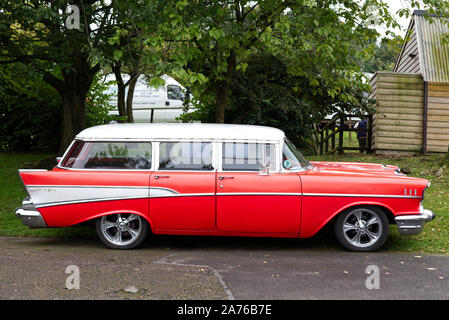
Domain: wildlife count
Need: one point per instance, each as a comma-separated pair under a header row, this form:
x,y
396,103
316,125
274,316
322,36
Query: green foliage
x,y
323,43
98,104
265,93
383,57
30,111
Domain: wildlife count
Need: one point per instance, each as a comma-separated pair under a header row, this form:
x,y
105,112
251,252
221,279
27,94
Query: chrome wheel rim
x,y
121,229
362,227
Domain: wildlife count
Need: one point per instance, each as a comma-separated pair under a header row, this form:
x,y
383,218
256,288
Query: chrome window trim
x,y
184,170
183,139
220,156
282,169
104,169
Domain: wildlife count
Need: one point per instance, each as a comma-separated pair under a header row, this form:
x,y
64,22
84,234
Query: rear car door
x,y
182,190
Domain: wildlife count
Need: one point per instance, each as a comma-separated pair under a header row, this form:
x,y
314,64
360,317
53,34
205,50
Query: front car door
x,y
252,201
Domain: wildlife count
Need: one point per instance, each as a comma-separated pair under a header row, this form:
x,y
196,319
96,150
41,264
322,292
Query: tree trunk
x,y
73,89
73,116
222,89
129,98
121,106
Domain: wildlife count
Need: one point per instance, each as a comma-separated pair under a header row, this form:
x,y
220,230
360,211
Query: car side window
x,y
185,156
248,156
109,155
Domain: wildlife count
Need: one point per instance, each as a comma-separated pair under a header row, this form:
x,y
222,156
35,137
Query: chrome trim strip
x,y
359,195
60,203
88,186
258,194
183,195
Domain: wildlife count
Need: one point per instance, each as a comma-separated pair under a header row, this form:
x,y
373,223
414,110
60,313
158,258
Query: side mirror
x,y
58,159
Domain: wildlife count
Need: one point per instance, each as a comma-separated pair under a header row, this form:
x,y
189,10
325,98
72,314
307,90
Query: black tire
x,y
132,233
362,229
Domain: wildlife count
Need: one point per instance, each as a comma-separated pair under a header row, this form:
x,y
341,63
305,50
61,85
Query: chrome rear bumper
x,y
413,224
29,215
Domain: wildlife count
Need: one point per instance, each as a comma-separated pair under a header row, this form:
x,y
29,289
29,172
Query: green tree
x,y
322,41
383,56
35,32
30,111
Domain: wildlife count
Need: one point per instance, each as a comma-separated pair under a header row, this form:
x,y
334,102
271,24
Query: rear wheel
x,y
362,229
122,231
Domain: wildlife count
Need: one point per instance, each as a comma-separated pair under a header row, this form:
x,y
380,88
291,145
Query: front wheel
x,y
122,231
362,229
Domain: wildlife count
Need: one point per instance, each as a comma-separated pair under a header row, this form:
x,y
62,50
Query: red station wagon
x,y
216,179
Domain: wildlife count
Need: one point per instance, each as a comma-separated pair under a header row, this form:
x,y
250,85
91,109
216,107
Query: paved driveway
x,y
214,268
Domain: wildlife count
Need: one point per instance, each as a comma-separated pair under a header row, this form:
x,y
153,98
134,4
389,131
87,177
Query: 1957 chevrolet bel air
x,y
213,179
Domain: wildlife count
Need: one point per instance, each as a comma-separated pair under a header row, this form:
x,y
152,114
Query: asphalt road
x,y
214,268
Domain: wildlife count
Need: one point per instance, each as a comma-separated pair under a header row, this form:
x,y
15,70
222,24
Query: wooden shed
x,y
412,102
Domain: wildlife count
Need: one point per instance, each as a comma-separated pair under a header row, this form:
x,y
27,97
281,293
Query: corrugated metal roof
x,y
433,54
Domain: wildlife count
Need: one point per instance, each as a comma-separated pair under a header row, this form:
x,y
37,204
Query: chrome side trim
x,y
88,186
60,203
183,195
359,195
258,194
51,195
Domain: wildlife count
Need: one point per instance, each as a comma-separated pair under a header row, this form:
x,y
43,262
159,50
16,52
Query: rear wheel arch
x,y
103,214
122,230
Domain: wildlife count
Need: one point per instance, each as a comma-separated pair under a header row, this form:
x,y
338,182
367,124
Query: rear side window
x,y
248,156
185,156
108,155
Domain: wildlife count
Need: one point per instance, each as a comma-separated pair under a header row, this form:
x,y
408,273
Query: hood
x,y
355,167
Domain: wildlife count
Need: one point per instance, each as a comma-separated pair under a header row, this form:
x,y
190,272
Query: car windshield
x,y
292,159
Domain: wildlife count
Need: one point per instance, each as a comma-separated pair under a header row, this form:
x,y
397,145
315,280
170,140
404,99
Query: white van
x,y
163,104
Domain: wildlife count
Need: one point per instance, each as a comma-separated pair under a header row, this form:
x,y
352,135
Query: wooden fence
x,y
325,135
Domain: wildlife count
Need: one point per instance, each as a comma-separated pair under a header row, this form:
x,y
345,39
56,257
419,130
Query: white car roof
x,y
202,131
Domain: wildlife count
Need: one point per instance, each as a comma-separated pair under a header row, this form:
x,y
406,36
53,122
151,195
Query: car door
x,y
250,201
182,190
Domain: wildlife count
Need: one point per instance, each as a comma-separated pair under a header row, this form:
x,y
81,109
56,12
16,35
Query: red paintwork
x,y
214,213
183,213
71,214
260,213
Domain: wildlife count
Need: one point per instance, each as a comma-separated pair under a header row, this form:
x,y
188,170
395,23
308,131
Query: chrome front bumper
x,y
413,224
29,215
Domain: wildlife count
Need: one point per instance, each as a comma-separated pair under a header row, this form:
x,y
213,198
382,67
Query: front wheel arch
x,y
387,211
362,228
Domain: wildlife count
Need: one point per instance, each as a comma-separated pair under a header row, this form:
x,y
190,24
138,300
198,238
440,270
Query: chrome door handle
x,y
161,177
225,177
